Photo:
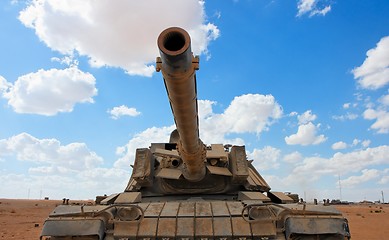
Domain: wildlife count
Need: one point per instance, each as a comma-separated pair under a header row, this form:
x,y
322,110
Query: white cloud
x,y
122,110
322,11
312,8
141,140
65,158
374,71
66,60
381,117
57,169
266,158
347,116
306,117
293,157
205,108
292,114
251,113
344,163
356,142
306,135
384,100
77,185
305,6
379,112
346,105
109,33
366,143
342,145
48,92
4,85
339,145
367,175
385,177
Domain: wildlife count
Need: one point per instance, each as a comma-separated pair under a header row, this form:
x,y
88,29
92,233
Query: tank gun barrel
x,y
178,67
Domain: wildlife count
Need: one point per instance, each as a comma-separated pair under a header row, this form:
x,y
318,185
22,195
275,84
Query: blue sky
x,y
303,84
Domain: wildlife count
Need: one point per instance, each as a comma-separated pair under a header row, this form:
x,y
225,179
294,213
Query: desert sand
x,y
23,219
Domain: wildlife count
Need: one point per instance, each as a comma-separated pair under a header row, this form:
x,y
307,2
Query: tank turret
x,y
186,165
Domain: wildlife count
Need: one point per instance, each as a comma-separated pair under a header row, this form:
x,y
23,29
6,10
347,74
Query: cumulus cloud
x,y
56,169
344,163
121,111
293,157
385,177
339,145
307,131
306,117
347,116
141,140
89,183
346,105
356,142
366,143
384,100
205,108
381,117
48,92
312,8
250,113
379,112
374,71
74,156
4,85
266,158
109,33
306,135
367,175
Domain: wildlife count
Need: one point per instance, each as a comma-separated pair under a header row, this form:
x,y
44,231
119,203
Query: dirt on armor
x,y
23,219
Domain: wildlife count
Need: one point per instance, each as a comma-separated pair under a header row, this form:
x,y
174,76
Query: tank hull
x,y
196,218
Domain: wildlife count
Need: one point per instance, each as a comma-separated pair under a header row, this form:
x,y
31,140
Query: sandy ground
x,y
370,222
23,219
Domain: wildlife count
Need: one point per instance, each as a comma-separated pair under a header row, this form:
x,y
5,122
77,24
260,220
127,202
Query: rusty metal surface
x,y
128,197
154,209
217,151
167,227
75,210
219,208
170,209
200,219
335,227
279,197
203,209
169,173
178,66
74,227
253,196
263,229
219,171
126,229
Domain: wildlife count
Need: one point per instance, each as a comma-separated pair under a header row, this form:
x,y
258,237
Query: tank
x,y
185,189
